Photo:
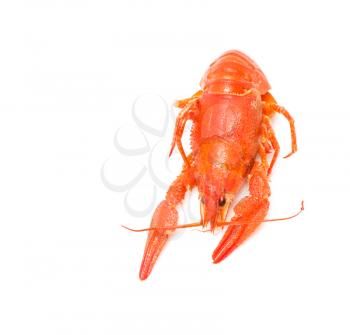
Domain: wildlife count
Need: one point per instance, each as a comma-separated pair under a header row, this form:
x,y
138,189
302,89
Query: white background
x,y
69,74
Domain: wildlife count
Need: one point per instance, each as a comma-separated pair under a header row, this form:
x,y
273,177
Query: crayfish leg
x,y
271,138
187,113
270,107
249,213
182,103
166,216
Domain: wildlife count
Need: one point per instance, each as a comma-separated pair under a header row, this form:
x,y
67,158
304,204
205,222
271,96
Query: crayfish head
x,y
217,179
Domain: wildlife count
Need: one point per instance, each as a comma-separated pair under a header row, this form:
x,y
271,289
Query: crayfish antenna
x,y
219,223
189,225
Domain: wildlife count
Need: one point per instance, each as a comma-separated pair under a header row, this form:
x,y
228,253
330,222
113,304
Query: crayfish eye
x,y
222,201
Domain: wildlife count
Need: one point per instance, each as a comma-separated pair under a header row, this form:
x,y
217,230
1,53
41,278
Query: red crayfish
x,y
231,129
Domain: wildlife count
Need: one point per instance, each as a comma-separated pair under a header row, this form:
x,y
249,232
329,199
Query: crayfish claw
x,y
164,216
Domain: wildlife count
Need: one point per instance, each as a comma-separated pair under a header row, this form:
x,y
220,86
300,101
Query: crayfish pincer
x,y
231,140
